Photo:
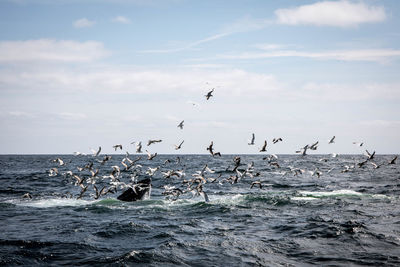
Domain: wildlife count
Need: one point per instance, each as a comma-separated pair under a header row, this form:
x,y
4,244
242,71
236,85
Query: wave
x,y
312,195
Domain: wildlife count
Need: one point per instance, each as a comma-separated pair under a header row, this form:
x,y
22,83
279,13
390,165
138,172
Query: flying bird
x,y
153,142
117,146
358,143
180,125
96,153
253,138
264,147
393,161
177,147
139,147
369,155
276,140
209,94
332,140
151,156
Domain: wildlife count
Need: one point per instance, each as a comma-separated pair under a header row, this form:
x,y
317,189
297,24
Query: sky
x,y
76,75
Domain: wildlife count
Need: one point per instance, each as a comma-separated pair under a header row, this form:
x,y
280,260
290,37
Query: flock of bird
x,y
127,173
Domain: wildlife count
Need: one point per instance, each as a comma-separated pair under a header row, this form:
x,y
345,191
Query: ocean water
x,y
339,219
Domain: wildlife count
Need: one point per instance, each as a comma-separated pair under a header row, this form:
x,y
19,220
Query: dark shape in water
x,y
142,190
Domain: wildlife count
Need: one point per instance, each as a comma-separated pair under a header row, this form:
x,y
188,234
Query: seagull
x,y
303,150
256,183
332,140
139,147
53,172
27,195
393,161
99,193
264,147
151,156
180,125
96,153
117,146
59,161
358,143
361,164
152,171
153,142
369,155
276,140
314,146
177,147
253,137
209,94
210,148
376,166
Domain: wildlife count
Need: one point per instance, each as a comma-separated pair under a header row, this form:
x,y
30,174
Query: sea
x,y
345,216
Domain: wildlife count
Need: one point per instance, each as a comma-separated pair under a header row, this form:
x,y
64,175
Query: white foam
x,y
303,198
342,192
55,202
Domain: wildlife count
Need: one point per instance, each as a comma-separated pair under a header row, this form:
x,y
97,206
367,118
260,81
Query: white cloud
x,y
188,46
83,23
20,114
121,19
380,123
372,55
50,51
349,92
331,13
72,116
184,81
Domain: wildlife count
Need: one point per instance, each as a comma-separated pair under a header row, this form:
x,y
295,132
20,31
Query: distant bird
x,y
180,125
358,143
334,155
53,172
393,161
82,192
332,140
264,147
303,150
152,171
99,193
209,94
276,140
153,142
256,183
177,147
253,138
59,161
96,153
150,156
314,146
376,166
274,163
316,172
211,149
27,195
117,146
194,104
139,147
361,164
369,155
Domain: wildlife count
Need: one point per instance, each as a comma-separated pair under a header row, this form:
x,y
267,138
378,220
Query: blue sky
x,y
76,75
